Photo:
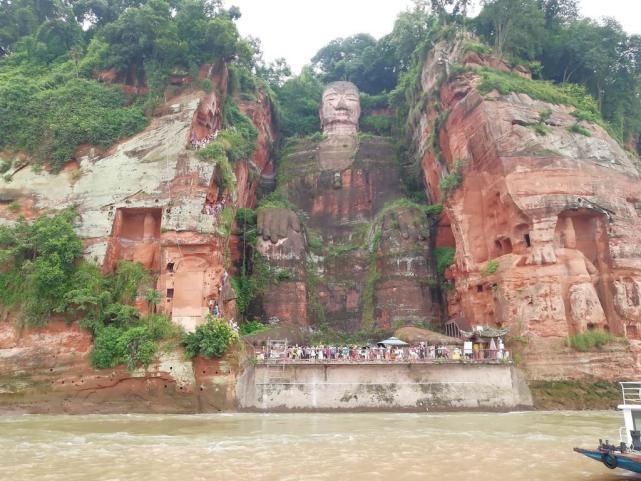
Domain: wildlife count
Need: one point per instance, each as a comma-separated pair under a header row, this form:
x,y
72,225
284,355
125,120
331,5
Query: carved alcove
x,y
135,237
586,231
581,242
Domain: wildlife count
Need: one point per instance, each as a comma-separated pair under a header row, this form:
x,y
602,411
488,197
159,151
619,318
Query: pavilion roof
x,y
486,331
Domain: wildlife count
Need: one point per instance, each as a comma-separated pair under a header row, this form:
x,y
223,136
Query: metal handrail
x,y
631,392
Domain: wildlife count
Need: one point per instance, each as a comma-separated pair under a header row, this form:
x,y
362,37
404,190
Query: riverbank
x,y
575,395
47,370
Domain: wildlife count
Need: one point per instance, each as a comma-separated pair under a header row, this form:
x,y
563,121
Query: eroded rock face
x,y
150,199
48,370
546,227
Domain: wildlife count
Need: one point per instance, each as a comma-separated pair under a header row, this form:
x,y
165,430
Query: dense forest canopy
x,y
51,51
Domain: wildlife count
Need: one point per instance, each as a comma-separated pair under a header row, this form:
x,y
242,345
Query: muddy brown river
x,y
533,446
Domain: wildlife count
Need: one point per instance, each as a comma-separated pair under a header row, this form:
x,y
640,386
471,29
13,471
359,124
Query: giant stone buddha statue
x,y
339,188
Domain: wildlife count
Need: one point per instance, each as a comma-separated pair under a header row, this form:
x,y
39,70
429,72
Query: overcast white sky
x,y
297,29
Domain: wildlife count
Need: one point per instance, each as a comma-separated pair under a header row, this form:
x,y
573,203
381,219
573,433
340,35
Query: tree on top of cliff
x,y
49,104
450,8
300,99
360,59
514,26
597,55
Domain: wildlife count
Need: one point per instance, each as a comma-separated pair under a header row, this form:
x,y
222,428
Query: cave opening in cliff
x,y
503,246
526,238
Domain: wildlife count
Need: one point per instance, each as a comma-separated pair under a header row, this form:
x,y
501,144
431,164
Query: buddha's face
x,y
340,108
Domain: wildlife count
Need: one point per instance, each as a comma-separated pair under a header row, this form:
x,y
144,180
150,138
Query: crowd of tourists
x,y
418,353
197,143
214,208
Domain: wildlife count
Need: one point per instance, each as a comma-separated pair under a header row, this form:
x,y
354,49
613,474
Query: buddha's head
x,y
340,108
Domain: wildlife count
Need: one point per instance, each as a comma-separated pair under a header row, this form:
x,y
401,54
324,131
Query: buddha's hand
x,y
276,223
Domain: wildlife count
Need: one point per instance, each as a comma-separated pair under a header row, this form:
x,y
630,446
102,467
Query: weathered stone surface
x,y
555,214
340,109
48,370
550,359
144,200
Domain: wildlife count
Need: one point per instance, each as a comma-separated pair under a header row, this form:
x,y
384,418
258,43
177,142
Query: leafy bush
x,y
444,258
37,261
252,327
451,181
490,268
133,345
106,351
590,340
126,280
376,124
236,142
49,118
577,129
160,327
211,339
120,315
206,85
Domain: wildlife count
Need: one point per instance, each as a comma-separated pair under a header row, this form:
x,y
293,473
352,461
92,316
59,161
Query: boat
x,y
627,453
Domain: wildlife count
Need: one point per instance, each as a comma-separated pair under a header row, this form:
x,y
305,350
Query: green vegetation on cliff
x,y
211,339
592,340
49,114
50,54
574,395
444,259
235,142
42,276
39,266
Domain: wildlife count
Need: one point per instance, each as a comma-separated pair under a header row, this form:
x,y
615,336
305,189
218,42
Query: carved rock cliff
x,y
545,220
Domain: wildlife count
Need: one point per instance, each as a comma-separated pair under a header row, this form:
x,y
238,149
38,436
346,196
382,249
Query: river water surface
x,y
529,446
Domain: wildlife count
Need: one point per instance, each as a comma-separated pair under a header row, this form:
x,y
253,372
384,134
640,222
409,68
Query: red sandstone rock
x,y
48,370
554,213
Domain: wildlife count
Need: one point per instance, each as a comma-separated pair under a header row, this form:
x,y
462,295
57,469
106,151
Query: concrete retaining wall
x,y
410,387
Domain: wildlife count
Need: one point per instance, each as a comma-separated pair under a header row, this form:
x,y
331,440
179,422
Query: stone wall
x,y
397,387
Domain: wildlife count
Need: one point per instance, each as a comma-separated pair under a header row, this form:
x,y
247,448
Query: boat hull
x,y
612,460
